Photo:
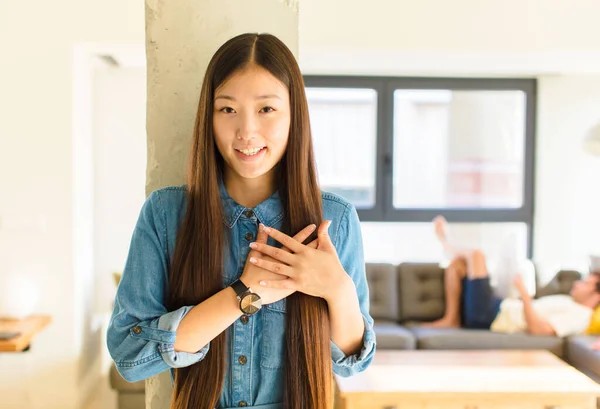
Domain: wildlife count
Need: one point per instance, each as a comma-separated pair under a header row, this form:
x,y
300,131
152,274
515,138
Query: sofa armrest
x,y
561,283
383,289
581,355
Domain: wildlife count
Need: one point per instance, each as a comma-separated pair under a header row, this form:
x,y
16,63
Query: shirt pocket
x,y
273,337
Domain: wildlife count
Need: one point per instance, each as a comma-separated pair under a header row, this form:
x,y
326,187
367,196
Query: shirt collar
x,y
269,212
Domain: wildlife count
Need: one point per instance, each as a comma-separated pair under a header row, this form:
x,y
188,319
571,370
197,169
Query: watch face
x,y
250,303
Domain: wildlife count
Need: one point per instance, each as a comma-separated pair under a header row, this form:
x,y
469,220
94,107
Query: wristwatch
x,y
250,302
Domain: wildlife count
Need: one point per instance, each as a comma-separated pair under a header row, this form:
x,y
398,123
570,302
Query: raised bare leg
x,y
453,276
476,267
440,227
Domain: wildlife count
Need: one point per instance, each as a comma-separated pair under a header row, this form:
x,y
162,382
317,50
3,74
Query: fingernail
x,y
261,227
313,226
328,223
267,229
253,245
253,260
263,283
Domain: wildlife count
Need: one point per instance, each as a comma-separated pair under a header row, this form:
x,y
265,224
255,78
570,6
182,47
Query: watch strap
x,y
239,287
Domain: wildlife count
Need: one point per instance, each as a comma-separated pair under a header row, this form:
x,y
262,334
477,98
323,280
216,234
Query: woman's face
x,y
251,122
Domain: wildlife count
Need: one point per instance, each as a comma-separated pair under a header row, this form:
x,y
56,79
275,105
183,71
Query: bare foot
x,y
444,322
440,227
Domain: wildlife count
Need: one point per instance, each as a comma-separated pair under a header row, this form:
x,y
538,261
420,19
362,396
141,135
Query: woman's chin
x,y
252,174
250,171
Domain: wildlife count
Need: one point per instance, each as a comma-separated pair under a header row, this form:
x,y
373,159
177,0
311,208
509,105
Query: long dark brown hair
x,y
197,270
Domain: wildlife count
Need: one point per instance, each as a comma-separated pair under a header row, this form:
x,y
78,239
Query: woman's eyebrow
x,y
225,97
269,96
230,98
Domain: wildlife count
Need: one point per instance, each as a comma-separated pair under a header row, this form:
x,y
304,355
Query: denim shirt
x,y
141,333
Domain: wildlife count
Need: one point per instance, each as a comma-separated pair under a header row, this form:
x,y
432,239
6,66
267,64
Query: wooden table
x,y
28,328
467,380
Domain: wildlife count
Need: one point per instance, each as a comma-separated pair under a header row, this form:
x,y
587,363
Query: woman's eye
x,y
267,109
227,110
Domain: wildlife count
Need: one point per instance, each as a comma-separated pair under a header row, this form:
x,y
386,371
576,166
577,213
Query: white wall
x,y
118,177
36,138
462,37
119,171
567,219
510,25
110,165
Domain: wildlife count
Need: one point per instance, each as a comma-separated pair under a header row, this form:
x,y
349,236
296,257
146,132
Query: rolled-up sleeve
x,y
349,246
141,333
345,365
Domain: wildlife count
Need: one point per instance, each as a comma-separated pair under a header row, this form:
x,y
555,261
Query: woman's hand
x,y
253,274
520,286
313,271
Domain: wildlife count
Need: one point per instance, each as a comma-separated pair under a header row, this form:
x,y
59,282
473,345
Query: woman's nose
x,y
247,127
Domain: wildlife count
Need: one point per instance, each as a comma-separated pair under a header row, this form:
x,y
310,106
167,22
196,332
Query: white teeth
x,y
250,152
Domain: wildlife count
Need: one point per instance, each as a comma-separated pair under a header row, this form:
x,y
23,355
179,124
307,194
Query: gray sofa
x,y
408,293
402,295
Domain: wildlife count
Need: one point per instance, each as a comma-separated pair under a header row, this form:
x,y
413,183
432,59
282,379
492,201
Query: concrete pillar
x,y
181,37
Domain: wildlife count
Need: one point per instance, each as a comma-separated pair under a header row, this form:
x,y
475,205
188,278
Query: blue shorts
x,y
480,305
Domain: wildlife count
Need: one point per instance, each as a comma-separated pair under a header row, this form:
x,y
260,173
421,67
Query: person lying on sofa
x,y
467,280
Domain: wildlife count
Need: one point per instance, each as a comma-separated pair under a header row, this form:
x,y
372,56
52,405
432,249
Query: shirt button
x,y
244,319
249,214
137,330
243,404
249,236
242,360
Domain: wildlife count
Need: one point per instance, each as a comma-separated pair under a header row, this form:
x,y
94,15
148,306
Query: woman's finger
x,y
302,235
284,239
305,233
273,267
286,284
261,237
273,252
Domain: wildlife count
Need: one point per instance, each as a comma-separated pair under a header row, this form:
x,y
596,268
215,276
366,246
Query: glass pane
x,y
504,245
458,149
344,128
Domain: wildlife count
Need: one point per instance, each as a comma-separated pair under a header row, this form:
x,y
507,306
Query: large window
x,y
404,150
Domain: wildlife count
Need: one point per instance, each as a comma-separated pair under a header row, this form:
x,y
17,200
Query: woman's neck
x,y
249,192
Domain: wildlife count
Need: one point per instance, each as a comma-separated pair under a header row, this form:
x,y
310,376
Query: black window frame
x,y
384,210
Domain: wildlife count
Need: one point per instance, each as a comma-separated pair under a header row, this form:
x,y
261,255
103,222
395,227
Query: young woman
x,y
219,286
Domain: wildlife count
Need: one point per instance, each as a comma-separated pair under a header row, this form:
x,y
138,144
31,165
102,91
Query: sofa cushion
x,y
390,335
450,338
580,354
382,291
421,291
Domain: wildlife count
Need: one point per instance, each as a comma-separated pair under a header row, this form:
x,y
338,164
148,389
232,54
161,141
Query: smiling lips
x,y
250,151
250,154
